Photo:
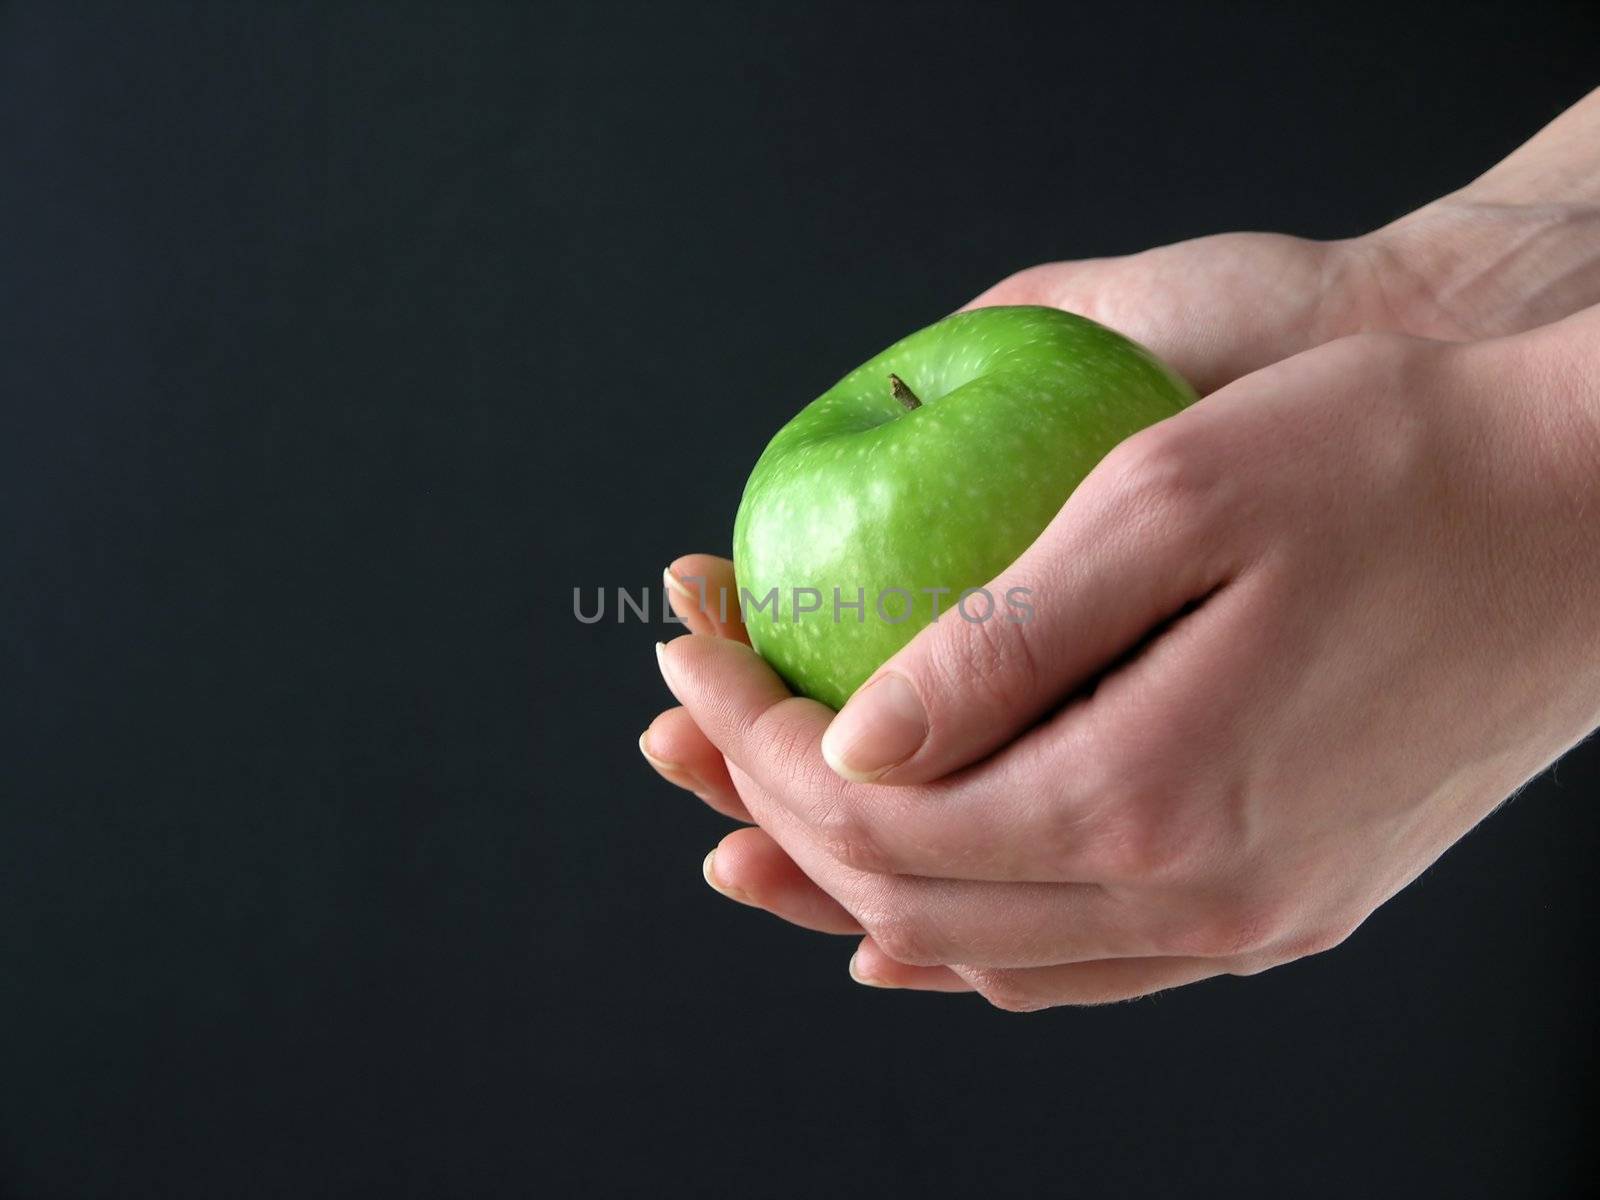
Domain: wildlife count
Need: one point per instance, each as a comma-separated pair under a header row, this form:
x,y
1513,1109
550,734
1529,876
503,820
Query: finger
x,y
872,967
1087,983
682,755
1072,286
1040,812
1130,549
704,595
748,866
934,922
1117,293
1159,298
1086,798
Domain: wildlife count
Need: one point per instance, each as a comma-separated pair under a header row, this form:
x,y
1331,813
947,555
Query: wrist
x,y
1558,368
1516,248
1537,396
1465,267
1529,407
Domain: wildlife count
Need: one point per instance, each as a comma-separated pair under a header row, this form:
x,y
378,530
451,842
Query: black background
x,y
338,345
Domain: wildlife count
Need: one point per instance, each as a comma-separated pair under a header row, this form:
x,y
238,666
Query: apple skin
x,y
1018,405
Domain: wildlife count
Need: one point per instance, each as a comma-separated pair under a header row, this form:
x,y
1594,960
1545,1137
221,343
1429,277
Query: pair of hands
x,y
1289,646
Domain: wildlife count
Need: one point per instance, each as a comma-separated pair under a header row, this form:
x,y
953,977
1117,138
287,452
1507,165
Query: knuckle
x,y
849,841
1151,824
1002,991
1159,471
790,745
1232,929
1288,948
1318,939
902,937
1030,285
991,658
1080,990
1069,838
1254,964
1138,846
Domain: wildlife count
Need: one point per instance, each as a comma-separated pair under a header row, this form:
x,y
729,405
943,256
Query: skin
x,y
1292,643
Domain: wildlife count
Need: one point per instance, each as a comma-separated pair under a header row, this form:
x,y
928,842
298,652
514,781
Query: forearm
x,y
1537,399
1557,366
1516,248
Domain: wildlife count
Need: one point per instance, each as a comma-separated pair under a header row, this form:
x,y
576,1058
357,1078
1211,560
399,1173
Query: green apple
x,y
924,473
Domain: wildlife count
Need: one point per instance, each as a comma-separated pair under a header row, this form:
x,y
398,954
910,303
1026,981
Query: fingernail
x,y
661,663
675,773
881,726
864,980
709,869
662,764
644,749
675,584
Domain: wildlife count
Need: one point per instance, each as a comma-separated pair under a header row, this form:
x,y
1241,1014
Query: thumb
x,y
1131,548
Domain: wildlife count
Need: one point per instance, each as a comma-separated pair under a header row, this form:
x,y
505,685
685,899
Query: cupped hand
x,y
1289,646
1214,307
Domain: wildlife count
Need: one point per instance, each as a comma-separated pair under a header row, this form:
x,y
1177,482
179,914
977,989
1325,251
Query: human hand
x,y
1514,249
1215,308
1290,645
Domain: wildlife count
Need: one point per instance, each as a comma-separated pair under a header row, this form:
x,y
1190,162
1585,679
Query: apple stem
x,y
899,390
